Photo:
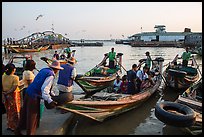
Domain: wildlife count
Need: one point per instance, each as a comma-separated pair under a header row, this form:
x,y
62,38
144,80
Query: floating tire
x,y
175,114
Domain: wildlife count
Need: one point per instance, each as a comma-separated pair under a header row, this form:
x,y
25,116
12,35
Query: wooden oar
x,y
197,65
120,64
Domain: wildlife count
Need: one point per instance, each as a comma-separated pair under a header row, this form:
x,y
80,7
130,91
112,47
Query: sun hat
x,y
55,64
72,60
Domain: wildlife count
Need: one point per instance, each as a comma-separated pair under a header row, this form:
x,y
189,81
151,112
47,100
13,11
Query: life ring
x,y
180,115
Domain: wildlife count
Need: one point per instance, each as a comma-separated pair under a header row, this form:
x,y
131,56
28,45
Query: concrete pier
x,y
53,122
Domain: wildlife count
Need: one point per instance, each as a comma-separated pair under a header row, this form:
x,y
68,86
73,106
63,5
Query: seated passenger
x,y
142,76
116,84
148,82
62,56
124,85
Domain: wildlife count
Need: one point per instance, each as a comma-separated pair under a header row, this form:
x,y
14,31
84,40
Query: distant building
x,y
160,34
194,39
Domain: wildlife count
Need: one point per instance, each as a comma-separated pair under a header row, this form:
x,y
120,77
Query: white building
x,y
160,35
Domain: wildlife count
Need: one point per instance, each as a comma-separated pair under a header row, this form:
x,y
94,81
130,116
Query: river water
x,y
140,121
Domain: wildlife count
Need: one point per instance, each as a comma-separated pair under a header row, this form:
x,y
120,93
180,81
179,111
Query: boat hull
x,y
180,77
104,104
101,110
91,86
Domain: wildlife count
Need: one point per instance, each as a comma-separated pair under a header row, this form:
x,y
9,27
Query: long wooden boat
x,y
22,50
103,104
180,77
99,77
62,61
87,44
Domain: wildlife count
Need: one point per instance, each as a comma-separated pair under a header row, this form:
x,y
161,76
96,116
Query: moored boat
x,y
22,50
87,44
62,61
99,77
180,77
103,104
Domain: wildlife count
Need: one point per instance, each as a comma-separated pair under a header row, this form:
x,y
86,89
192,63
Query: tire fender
x,y
185,119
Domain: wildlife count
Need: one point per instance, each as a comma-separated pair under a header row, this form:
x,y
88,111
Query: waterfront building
x,y
160,35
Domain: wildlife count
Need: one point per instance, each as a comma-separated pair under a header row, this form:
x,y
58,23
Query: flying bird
x,y
39,16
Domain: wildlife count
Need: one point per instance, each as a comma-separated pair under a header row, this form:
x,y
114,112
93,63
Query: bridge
x,y
40,39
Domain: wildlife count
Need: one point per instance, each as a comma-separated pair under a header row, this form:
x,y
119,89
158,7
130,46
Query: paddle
x,y
120,64
197,65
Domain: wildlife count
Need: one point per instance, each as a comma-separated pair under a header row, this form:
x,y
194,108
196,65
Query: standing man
x,y
68,52
148,61
40,88
56,56
186,57
131,77
65,82
111,56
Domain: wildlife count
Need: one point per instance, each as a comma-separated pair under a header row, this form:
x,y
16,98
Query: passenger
x,y
40,88
2,104
148,82
131,77
111,56
68,52
148,61
28,74
124,85
56,56
62,57
11,96
142,76
186,57
116,84
65,82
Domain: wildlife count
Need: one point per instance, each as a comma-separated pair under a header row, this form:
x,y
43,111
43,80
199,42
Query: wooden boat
x,y
99,77
103,104
62,61
185,112
22,50
180,77
87,44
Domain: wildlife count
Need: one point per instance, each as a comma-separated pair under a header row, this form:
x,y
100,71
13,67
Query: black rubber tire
x,y
173,119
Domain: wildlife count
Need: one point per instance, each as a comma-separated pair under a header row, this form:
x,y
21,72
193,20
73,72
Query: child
x,y
124,84
117,84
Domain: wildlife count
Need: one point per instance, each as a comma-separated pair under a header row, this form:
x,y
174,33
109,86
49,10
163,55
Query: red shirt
x,y
123,86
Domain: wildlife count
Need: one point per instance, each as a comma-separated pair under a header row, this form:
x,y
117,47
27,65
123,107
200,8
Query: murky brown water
x,y
140,121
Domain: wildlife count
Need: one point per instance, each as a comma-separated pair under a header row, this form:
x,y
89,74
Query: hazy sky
x,y
98,20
